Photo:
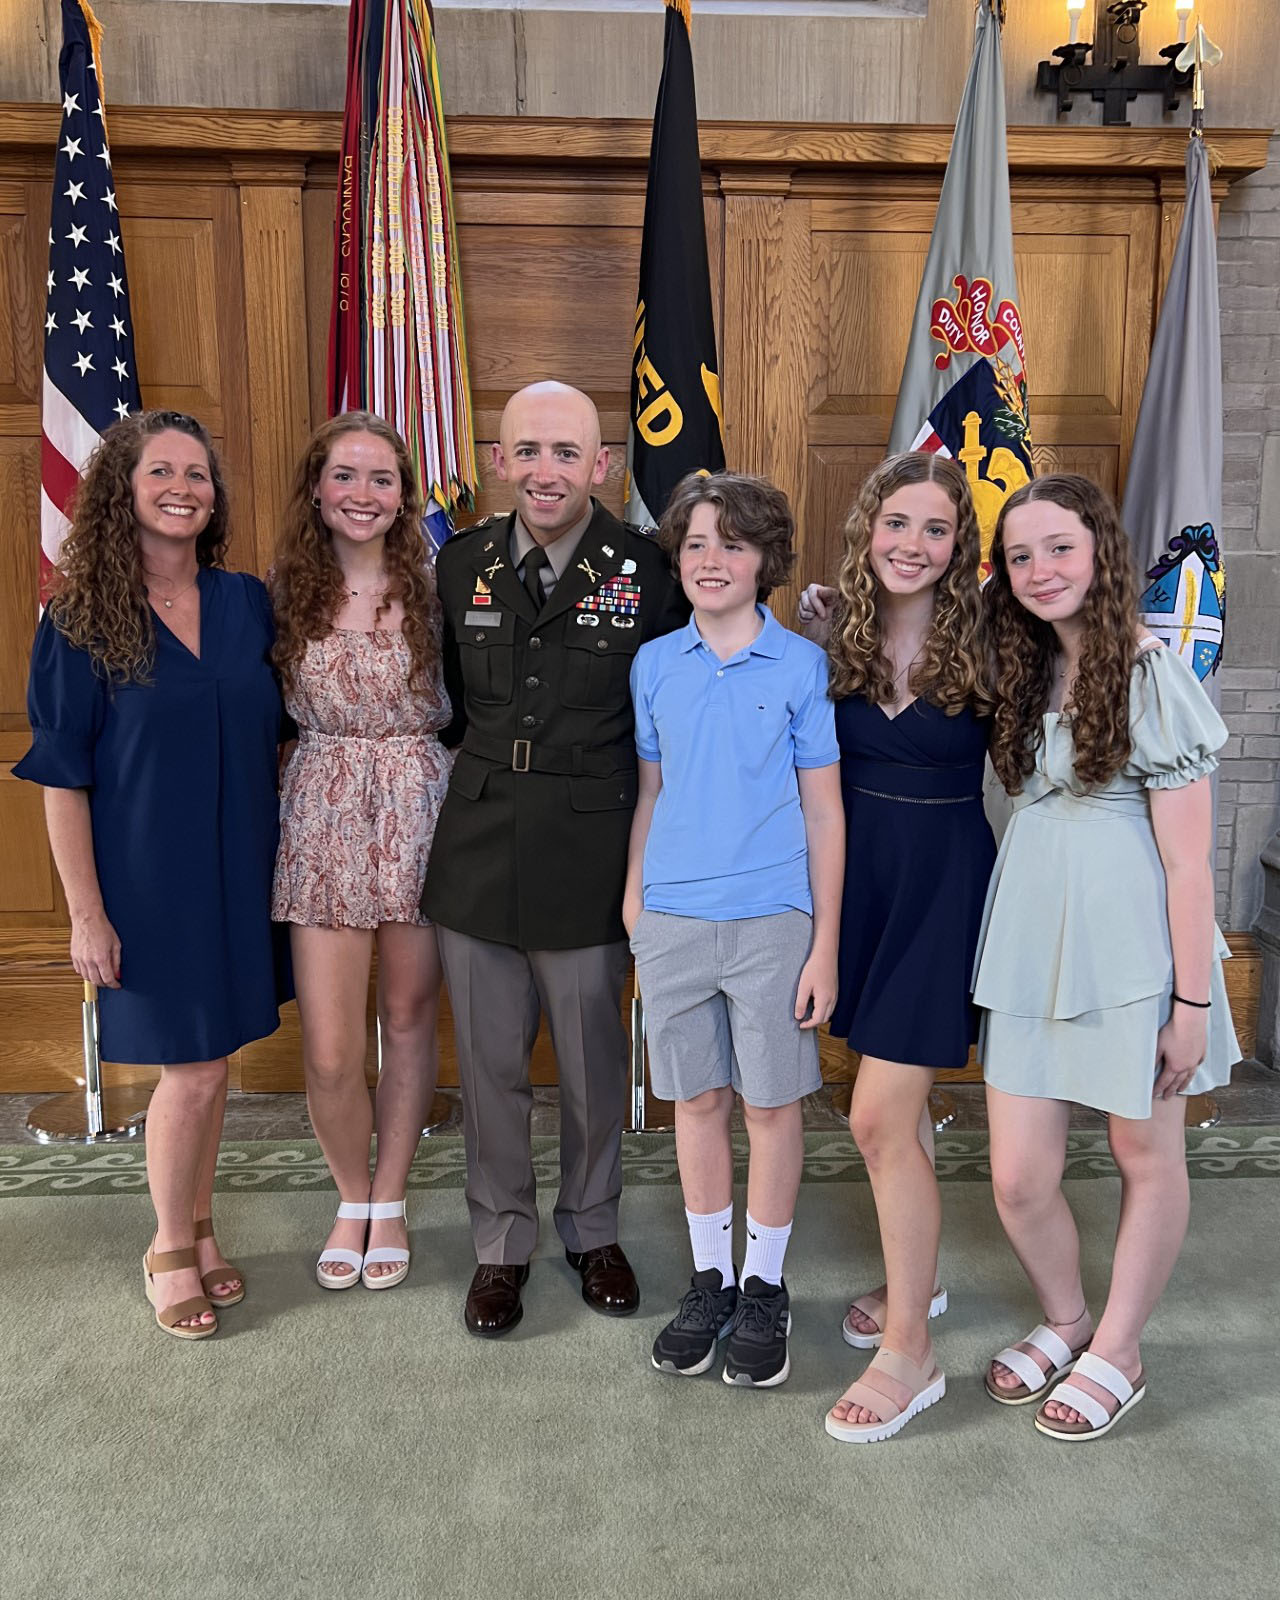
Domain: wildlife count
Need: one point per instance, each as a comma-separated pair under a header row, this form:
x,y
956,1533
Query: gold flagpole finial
x,y
1200,52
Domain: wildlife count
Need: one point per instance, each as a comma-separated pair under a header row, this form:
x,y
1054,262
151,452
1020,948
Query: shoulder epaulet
x,y
649,532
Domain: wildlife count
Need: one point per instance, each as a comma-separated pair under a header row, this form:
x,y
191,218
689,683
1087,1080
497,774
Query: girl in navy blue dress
x,y
156,718
906,677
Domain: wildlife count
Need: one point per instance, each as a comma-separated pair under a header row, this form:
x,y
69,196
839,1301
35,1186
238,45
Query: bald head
x,y
557,406
549,451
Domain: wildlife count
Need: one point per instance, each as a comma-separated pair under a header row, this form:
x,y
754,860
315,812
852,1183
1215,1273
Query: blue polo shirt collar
x,y
770,641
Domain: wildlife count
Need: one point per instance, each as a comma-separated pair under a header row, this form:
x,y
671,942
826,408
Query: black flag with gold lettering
x,y
675,424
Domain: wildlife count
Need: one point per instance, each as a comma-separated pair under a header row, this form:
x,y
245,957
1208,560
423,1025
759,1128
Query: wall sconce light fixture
x,y
1116,74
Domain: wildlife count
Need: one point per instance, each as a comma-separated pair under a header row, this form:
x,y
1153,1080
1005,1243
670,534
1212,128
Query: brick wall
x,y
1249,779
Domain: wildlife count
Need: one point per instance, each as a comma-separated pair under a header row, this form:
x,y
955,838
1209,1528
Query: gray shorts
x,y
719,1006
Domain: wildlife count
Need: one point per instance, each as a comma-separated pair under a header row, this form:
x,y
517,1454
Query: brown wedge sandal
x,y
168,1319
204,1230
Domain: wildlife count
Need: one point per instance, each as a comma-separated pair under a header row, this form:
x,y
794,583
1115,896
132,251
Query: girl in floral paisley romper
x,y
358,648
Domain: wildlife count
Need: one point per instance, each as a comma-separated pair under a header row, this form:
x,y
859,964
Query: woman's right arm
x,y
95,948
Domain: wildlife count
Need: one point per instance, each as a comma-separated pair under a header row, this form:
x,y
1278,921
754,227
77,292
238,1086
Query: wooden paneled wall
x,y
817,237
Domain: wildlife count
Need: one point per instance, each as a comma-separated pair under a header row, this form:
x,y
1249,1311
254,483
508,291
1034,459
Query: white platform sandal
x,y
877,1308
380,1211
1033,1381
348,1211
927,1385
1098,1420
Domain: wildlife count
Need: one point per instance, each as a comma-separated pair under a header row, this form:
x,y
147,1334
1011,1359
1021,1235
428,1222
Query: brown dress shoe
x,y
493,1300
608,1283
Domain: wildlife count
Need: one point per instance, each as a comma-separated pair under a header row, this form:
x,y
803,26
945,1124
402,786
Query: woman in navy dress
x,y
907,680
156,718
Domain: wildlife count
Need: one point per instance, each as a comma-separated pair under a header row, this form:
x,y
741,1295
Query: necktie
x,y
533,564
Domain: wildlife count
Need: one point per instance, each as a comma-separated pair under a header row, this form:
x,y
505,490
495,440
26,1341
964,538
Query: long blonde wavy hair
x,y
99,597
1025,648
307,587
950,671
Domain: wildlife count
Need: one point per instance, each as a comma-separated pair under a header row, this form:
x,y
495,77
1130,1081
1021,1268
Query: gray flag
x,y
964,382
1173,495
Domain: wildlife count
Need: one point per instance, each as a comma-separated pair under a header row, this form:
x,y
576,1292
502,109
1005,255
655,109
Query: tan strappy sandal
x,y
209,1280
171,1316
926,1384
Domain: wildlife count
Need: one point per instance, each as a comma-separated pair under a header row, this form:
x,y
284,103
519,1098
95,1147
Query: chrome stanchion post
x,y
92,1060
942,1109
96,1115
1203,1111
637,1063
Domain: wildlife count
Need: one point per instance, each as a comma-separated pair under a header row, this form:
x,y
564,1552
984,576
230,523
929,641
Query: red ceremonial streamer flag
x,y
90,379
397,344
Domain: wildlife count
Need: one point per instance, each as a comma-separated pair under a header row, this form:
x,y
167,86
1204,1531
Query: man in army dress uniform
x,y
544,611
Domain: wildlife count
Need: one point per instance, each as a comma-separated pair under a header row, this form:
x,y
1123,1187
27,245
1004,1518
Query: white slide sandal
x,y
348,1211
379,1211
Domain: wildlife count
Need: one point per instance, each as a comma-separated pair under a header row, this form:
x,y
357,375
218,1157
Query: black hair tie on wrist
x,y
1196,1005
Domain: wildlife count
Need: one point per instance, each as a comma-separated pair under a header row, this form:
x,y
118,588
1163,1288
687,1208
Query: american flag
x,y
90,377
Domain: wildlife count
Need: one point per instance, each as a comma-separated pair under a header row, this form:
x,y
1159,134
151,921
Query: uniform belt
x,y
527,755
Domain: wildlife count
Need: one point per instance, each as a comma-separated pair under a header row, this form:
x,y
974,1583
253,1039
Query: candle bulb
x,y
1074,8
1183,8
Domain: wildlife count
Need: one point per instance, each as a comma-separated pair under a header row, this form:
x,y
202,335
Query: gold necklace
x,y
168,603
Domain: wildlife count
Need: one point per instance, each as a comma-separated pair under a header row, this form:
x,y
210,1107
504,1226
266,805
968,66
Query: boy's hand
x,y
816,994
632,906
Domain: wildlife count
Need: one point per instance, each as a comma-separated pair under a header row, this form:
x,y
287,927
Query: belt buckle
x,y
521,749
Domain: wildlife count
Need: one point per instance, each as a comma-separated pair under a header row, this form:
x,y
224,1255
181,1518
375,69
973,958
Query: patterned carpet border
x,y
281,1167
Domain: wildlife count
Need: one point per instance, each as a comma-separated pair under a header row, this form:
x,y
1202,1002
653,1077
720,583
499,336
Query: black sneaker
x,y
687,1344
756,1355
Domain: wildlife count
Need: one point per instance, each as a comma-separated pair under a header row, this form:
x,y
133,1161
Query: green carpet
x,y
352,1445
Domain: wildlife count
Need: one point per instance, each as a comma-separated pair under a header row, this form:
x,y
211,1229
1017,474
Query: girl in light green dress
x,y
1099,964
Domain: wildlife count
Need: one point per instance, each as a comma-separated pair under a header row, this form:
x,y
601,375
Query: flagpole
x,y
1202,1110
81,399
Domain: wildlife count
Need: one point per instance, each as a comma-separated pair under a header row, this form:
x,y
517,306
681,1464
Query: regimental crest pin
x,y
482,596
1185,604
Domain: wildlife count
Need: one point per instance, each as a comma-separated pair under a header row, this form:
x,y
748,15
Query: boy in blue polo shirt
x,y
733,904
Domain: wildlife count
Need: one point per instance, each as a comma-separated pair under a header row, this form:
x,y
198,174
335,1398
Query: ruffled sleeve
x,y
1175,729
66,704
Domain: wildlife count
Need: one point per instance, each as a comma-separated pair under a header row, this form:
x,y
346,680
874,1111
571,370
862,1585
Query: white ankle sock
x,y
712,1239
765,1250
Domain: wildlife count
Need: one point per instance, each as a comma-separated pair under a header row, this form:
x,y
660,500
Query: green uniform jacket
x,y
531,846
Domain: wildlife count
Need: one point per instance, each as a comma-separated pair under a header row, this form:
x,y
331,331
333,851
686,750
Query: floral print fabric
x,y
363,790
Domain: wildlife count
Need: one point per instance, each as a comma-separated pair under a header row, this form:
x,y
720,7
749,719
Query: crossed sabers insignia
x,y
592,575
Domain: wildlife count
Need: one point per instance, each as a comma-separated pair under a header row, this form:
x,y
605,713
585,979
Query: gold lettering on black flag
x,y
676,419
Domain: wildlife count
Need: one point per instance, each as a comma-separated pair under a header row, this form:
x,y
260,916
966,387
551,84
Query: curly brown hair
x,y
1024,647
950,671
748,508
306,583
99,597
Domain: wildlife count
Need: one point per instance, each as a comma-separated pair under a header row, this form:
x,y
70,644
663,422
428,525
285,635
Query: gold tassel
x,y
95,40
683,7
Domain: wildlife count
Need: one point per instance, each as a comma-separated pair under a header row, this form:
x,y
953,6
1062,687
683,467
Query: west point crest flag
x,y
1173,494
675,423
964,382
397,344
90,378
